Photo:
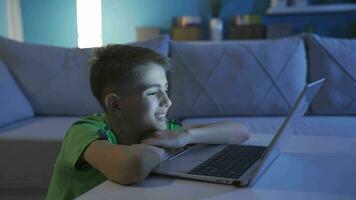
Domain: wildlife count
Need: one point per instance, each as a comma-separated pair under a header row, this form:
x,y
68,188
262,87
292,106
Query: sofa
x,y
44,89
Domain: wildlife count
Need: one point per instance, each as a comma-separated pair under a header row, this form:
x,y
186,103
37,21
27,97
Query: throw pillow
x,y
56,80
229,78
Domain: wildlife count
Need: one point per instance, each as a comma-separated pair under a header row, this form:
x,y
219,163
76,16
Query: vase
x,y
216,29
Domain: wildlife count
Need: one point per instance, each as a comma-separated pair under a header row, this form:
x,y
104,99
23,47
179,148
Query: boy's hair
x,y
116,67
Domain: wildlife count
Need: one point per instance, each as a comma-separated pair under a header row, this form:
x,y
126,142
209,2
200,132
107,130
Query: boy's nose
x,y
165,101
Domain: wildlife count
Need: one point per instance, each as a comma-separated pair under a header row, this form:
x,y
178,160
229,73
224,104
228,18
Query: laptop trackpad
x,y
188,160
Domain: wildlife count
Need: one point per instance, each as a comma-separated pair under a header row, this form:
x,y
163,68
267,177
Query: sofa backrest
x,y
229,78
56,80
335,60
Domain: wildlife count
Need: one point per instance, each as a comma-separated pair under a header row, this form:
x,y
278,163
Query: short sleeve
x,y
76,141
174,125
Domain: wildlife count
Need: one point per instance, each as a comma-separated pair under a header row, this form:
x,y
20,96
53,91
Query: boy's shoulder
x,y
85,127
96,119
81,134
91,122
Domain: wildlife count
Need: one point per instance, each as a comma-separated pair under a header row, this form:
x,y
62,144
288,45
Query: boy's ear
x,y
111,102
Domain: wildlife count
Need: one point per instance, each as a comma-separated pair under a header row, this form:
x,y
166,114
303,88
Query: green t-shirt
x,y
69,179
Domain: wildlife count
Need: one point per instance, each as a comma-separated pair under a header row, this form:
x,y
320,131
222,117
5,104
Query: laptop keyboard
x,y
230,162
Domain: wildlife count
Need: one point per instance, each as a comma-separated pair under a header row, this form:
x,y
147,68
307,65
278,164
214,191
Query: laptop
x,y
239,165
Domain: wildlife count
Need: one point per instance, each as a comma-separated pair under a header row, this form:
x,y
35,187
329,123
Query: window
x,y
89,23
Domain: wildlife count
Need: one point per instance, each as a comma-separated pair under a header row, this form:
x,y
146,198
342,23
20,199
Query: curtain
x,y
14,20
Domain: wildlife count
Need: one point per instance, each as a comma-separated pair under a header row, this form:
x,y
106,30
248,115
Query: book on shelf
x,y
239,20
186,28
247,27
186,21
186,33
247,32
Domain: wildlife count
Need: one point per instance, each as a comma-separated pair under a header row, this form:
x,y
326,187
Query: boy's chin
x,y
161,126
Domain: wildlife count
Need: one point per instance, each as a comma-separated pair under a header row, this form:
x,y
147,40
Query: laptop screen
x,y
287,128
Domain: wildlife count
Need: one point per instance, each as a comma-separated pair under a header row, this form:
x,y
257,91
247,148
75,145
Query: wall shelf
x,y
310,9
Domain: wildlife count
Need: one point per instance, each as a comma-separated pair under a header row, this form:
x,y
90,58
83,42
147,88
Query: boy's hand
x,y
168,139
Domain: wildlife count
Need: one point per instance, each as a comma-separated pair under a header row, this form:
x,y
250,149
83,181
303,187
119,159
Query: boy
x,y
126,143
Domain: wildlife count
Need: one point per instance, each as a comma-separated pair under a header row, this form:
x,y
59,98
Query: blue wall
x,y
53,22
3,18
120,17
50,22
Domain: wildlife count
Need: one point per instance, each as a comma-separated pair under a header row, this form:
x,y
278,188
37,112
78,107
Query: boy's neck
x,y
124,134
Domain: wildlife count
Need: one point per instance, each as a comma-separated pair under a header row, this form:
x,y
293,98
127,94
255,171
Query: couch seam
x,y
46,84
216,66
262,66
198,81
292,54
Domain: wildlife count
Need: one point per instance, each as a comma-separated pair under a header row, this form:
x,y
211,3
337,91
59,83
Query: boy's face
x,y
145,107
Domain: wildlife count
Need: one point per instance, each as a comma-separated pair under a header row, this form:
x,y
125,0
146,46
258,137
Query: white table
x,y
311,167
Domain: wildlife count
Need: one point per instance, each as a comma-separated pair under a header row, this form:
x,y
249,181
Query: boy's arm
x,y
121,163
226,132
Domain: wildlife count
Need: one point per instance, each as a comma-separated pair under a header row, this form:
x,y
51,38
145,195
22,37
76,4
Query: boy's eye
x,y
156,92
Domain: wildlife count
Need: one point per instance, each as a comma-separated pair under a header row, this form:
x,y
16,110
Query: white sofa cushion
x,y
55,79
251,78
29,149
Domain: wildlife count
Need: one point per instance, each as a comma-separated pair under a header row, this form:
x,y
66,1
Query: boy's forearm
x,y
138,162
146,160
218,133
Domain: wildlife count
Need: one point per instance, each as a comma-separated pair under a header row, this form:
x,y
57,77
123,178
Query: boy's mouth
x,y
161,116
